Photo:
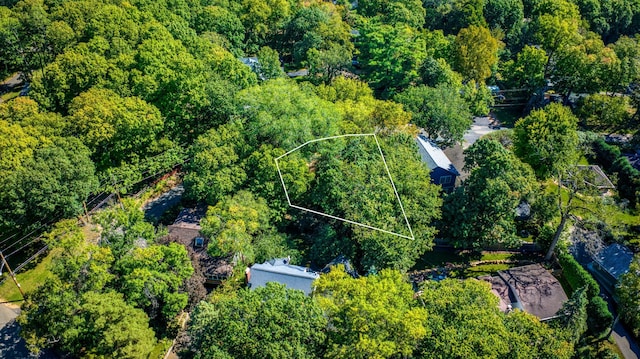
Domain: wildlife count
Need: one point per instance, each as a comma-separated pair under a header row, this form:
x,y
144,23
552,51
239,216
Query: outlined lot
x,y
395,191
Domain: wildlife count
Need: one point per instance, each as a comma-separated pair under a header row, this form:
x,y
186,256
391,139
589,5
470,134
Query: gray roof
x,y
280,271
191,217
433,156
615,259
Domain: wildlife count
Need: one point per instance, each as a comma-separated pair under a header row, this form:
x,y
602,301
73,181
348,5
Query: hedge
x,y
577,276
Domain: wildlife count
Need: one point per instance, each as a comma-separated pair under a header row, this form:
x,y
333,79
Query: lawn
x,y
439,258
29,280
485,269
9,96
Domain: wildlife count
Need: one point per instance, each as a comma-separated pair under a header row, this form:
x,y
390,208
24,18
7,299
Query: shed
x,y
443,172
281,271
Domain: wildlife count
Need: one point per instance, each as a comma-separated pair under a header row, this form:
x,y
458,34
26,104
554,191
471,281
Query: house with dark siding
x,y
443,172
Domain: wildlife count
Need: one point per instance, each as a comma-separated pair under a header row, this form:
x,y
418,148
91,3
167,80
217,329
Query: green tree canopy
x,y
370,317
629,291
547,139
482,211
440,111
476,52
268,322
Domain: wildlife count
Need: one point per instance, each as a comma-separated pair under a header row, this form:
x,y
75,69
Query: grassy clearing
x,y
9,96
439,258
485,269
29,280
497,256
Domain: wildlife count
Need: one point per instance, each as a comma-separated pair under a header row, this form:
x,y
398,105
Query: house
x,y
443,172
186,231
594,176
281,271
609,264
186,227
530,288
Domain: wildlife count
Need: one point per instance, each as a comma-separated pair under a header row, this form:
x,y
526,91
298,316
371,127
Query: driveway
x,y
479,128
11,343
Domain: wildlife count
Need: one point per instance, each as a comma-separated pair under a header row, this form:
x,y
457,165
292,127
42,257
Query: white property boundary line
x,y
404,214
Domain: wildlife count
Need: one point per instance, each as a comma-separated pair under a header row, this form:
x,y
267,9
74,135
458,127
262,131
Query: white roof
x,y
433,156
279,270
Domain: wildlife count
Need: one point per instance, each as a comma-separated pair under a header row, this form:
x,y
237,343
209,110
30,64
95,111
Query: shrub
x,y
600,318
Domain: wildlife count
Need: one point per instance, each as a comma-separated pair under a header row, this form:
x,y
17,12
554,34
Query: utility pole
x,y
13,275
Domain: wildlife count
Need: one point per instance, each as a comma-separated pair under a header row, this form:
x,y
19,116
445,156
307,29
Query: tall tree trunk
x,y
556,236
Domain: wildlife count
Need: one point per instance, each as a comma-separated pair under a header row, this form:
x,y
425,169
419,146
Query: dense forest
x,y
117,92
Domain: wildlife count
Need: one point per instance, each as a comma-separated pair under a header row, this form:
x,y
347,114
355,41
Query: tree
x,y
263,178
327,64
267,322
285,115
269,64
547,139
451,16
573,316
152,279
628,291
440,111
215,169
527,71
390,56
224,22
124,227
352,182
476,52
604,112
482,212
91,324
237,225
394,12
114,128
503,14
44,177
468,309
373,316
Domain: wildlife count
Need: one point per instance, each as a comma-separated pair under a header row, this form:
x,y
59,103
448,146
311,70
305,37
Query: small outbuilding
x,y
281,271
443,172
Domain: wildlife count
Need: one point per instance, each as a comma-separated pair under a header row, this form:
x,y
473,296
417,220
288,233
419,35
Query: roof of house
x,y
190,217
615,259
280,271
537,291
433,156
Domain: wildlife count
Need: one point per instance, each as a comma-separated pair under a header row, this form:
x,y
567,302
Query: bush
x,y
600,318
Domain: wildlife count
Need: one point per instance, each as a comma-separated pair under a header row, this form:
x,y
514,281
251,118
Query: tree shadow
x,y
13,346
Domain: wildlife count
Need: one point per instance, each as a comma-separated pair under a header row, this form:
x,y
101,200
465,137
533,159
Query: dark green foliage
x,y
628,178
482,211
577,276
600,318
628,292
